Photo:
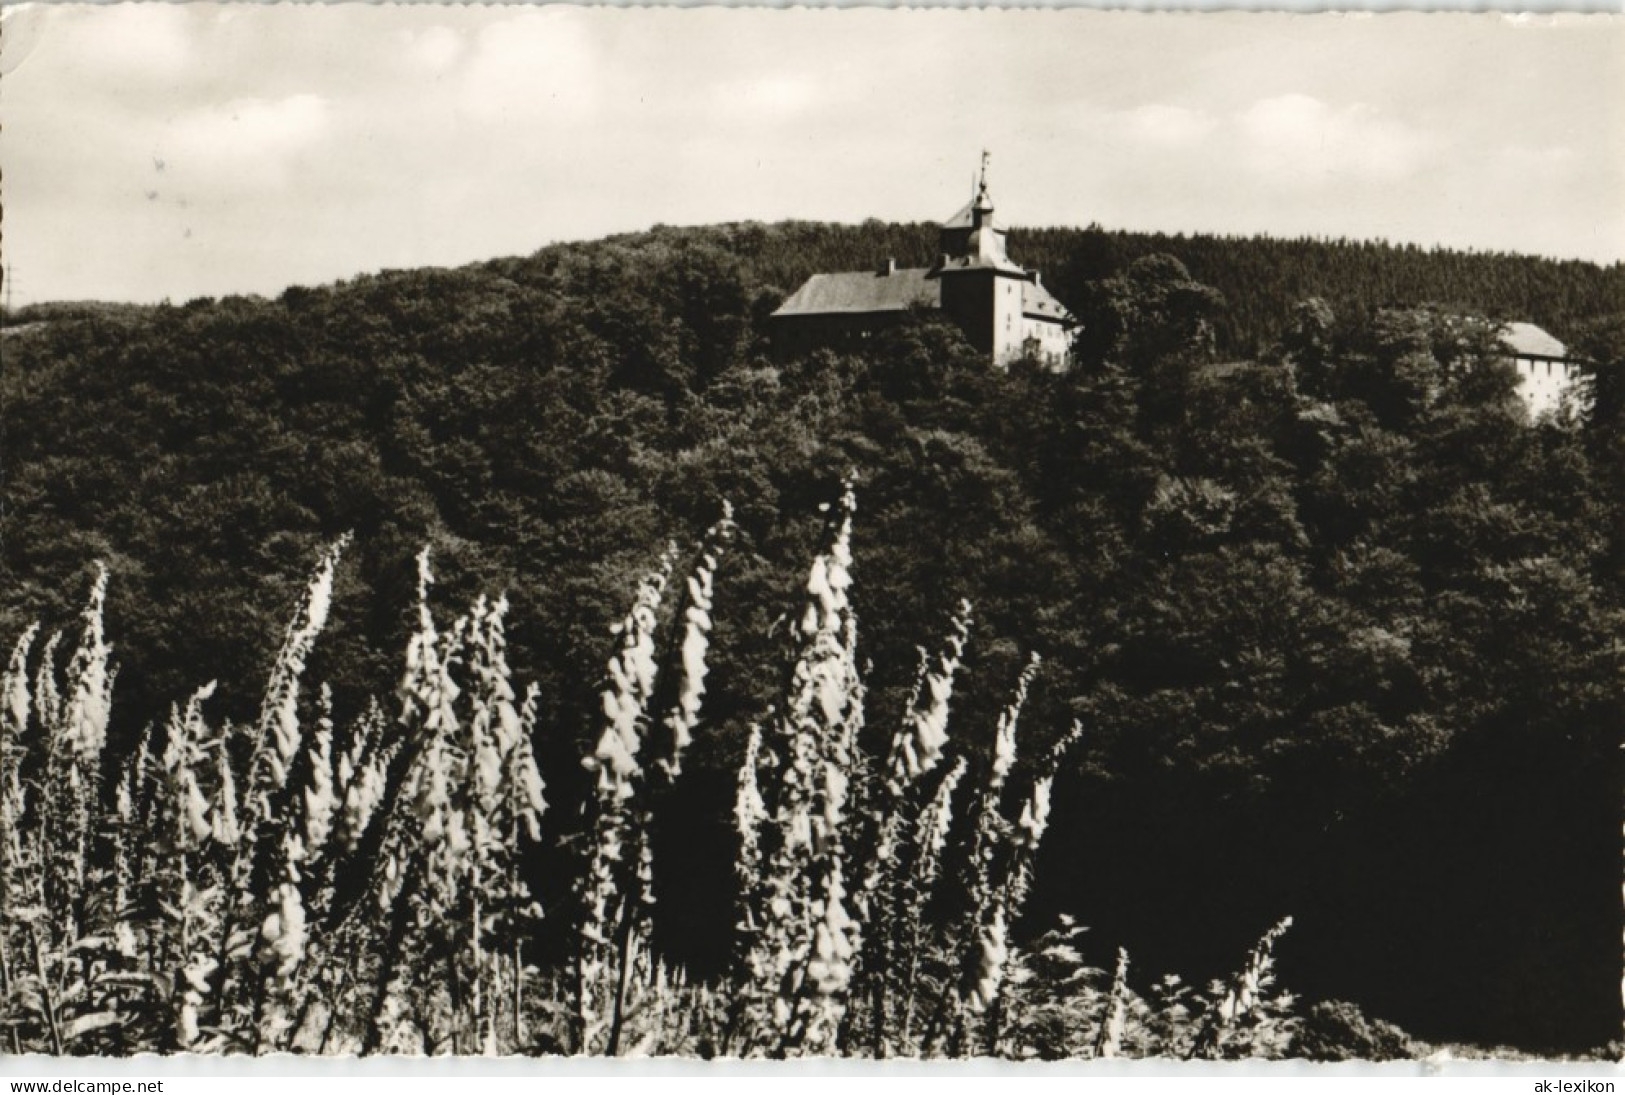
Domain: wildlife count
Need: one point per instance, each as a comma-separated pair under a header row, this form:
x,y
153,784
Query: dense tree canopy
x,y
1340,624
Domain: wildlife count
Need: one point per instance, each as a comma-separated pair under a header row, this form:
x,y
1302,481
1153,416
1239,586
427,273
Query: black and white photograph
x,y
734,534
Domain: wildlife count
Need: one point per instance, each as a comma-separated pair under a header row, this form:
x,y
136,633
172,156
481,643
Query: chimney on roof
x,y
888,268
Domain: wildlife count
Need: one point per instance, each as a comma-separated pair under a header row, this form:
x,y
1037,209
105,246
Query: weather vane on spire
x,y
981,186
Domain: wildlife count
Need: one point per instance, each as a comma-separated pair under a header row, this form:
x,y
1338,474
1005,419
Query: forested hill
x,y
1260,278
1340,626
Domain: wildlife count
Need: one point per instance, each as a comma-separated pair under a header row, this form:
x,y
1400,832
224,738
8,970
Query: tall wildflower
x,y
681,694
319,797
433,779
990,823
904,928
223,810
527,803
185,752
75,727
1028,831
191,903
629,687
997,895
802,953
264,922
684,715
442,784
399,881
630,764
931,835
14,695
1004,736
750,812
296,899
449,888
361,773
989,953
425,841
1242,995
917,746
507,784
123,840
47,697
628,690
302,893
1109,1040
615,968
14,711
90,680
520,812
276,735
503,795
916,749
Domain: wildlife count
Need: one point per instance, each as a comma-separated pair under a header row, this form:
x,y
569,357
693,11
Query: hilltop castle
x,y
1004,310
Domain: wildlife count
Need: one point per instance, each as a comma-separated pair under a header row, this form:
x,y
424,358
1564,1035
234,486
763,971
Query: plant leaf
x,y
85,1024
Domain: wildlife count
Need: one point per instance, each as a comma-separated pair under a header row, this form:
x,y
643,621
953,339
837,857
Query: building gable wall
x,y
1009,325
1049,341
1542,383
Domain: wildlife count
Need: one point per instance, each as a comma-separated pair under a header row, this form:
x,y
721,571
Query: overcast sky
x,y
155,151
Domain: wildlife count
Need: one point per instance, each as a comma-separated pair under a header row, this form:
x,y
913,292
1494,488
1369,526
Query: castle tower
x,y
981,287
973,231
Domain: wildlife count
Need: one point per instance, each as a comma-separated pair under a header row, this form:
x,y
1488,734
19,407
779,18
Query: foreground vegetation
x,y
1340,622
309,884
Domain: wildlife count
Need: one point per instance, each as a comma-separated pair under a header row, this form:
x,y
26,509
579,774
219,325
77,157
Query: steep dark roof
x,y
863,291
963,218
1036,301
1527,340
966,217
993,261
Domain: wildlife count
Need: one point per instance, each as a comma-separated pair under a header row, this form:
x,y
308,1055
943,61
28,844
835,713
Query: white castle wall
x,y
1542,384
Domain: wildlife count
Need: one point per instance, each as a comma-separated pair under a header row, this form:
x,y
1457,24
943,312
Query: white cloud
x,y
1168,126
768,98
1285,119
254,134
540,64
128,42
1298,138
434,49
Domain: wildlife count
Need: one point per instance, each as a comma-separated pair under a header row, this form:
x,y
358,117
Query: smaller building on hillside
x,y
1004,310
1546,372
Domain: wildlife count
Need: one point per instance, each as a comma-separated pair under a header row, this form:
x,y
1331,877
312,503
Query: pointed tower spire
x,y
972,235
